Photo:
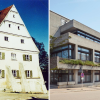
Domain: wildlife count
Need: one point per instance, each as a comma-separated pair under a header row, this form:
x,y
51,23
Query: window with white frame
x,y
13,56
18,28
27,57
28,73
0,73
14,72
9,25
13,16
0,55
6,38
22,40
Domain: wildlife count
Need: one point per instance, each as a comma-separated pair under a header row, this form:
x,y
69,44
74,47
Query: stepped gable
x,y
4,12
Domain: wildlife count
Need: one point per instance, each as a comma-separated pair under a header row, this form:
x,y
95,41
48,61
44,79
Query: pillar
x,y
93,76
92,55
76,76
76,51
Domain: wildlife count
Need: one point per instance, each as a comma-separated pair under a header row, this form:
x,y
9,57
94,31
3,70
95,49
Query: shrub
x,y
79,62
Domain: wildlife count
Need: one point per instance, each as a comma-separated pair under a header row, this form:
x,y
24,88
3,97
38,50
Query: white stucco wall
x,y
14,45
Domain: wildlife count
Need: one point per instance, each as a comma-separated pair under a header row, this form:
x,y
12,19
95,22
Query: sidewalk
x,y
54,89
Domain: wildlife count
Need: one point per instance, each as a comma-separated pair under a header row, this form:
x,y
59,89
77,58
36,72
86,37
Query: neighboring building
x,y
73,41
18,51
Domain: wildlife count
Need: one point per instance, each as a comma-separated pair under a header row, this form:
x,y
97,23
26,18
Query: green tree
x,y
43,56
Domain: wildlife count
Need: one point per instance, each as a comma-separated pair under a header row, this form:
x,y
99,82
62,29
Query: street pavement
x,y
85,93
22,96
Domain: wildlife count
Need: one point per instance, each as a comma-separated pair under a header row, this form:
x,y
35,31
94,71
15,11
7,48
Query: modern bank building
x,y
75,49
19,56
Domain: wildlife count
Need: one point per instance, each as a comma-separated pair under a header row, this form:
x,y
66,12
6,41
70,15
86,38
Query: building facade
x,y
76,50
19,56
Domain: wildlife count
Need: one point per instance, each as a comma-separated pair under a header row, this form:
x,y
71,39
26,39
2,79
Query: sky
x,y
86,12
34,13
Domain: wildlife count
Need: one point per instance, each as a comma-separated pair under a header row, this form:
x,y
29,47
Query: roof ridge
x,y
4,12
6,8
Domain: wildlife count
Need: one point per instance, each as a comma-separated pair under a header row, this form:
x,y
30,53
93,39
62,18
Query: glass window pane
x,y
87,56
70,54
83,56
64,47
65,54
59,54
79,55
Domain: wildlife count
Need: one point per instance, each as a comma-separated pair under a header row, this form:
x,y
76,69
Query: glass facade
x,y
61,76
87,76
97,76
64,51
97,57
87,36
83,54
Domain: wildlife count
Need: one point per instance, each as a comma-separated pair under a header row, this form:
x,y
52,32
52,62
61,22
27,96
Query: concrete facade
x,y
77,35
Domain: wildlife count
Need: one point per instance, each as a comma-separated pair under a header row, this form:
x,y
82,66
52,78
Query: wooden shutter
x,y
3,74
30,57
17,73
3,55
26,73
24,57
31,73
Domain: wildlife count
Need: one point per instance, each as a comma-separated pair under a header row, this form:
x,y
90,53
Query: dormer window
x,y
18,28
13,16
9,25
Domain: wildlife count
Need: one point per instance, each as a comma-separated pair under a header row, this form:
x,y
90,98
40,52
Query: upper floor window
x,y
83,54
18,28
28,73
6,38
87,36
2,73
2,55
97,57
64,51
27,57
13,56
9,25
14,72
13,16
22,40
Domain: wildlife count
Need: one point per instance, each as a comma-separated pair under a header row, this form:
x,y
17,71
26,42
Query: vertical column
x,y
92,55
76,51
76,76
93,76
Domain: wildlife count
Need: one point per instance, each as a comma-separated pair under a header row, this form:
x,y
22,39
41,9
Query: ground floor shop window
x,y
97,76
87,76
61,76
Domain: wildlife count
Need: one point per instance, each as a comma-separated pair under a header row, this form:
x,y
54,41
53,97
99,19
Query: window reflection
x,y
97,57
83,54
65,54
85,35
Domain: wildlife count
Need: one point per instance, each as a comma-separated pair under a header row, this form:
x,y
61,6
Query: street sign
x,y
82,74
82,78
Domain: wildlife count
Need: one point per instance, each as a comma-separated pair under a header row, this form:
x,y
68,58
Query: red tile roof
x,y
4,12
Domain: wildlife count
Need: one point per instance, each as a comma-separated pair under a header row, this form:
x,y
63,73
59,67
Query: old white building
x,y
19,56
